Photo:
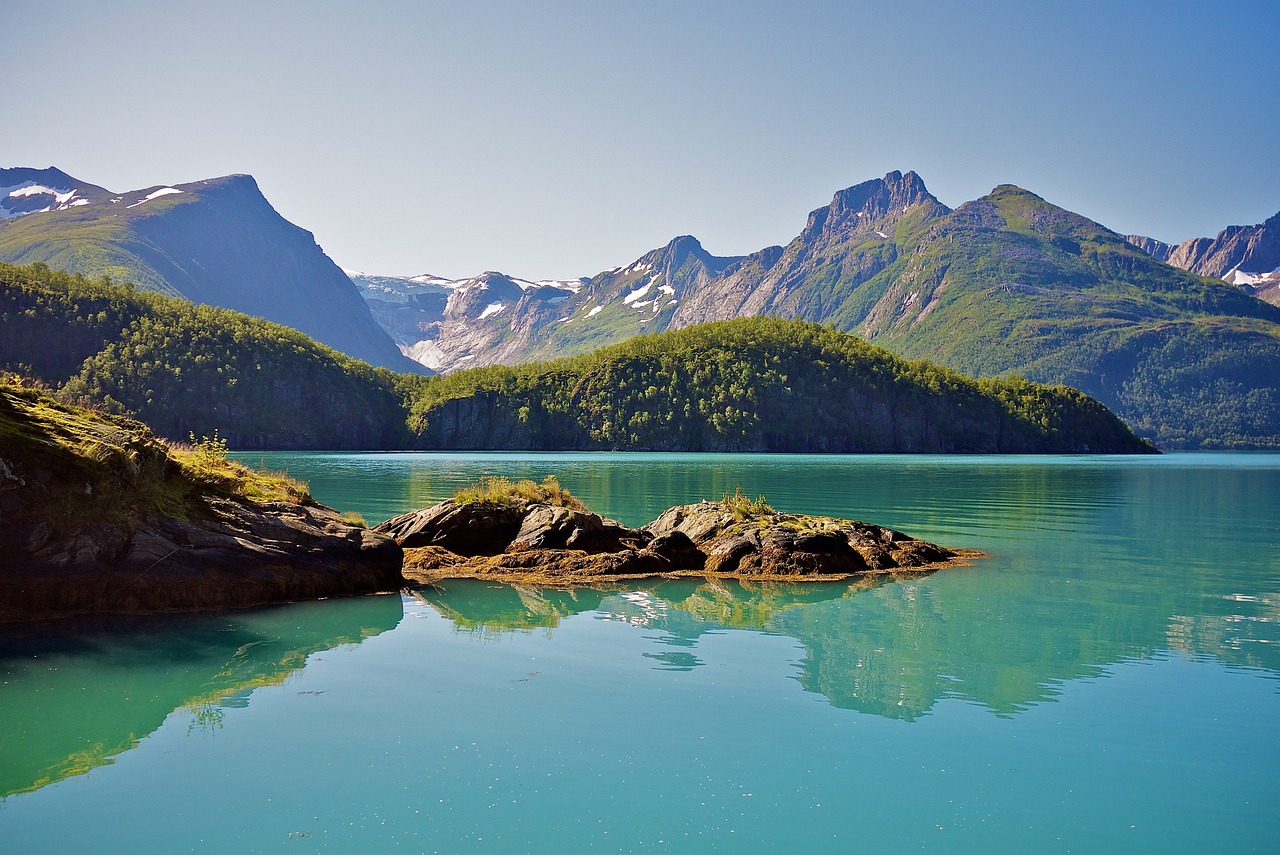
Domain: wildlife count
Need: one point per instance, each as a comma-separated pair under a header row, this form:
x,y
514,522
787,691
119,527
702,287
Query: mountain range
x,y
1248,256
1007,283
217,242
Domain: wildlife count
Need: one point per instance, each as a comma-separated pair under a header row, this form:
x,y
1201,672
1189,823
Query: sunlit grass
x,y
504,491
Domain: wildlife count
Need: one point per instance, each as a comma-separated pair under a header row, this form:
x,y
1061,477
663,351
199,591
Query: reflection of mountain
x,y
75,694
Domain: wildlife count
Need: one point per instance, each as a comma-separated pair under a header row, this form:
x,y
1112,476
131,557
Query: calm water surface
x,y
1108,681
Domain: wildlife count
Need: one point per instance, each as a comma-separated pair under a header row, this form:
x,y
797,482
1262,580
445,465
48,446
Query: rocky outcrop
x,y
1248,256
537,543
241,555
97,515
170,565
769,544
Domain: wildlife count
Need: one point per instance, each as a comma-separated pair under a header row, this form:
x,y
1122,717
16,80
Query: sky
x,y
560,139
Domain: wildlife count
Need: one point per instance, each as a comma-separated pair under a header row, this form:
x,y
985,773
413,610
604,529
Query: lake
x,y
1108,680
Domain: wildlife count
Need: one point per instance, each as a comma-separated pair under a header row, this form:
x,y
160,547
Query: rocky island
x,y
538,534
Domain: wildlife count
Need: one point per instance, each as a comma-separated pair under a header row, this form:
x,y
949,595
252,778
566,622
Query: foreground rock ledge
x,y
246,556
533,543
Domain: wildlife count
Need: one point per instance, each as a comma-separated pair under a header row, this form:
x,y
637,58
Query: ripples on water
x,y
1105,682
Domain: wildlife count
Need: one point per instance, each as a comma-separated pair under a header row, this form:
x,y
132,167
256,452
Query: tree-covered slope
x,y
755,384
187,368
1011,283
217,242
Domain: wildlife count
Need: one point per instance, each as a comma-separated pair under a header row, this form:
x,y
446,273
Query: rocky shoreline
x,y
98,515
244,556
530,542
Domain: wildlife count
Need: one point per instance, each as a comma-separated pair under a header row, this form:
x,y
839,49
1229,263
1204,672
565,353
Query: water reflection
x,y
990,634
74,694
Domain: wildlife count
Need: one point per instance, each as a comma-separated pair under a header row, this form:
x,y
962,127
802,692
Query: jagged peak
x,y
877,200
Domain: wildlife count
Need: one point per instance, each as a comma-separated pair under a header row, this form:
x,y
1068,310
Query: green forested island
x,y
751,384
755,384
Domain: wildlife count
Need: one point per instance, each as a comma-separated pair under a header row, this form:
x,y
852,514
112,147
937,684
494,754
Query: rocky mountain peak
x,y
1247,256
1157,249
864,206
680,250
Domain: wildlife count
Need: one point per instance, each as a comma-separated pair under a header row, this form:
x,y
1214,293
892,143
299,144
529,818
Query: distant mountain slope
x,y
755,384
445,324
496,319
626,301
188,368
1248,256
830,271
217,242
34,191
1005,283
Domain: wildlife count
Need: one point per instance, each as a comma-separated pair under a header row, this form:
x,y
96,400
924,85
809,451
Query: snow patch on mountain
x,y
155,194
638,293
58,200
1236,276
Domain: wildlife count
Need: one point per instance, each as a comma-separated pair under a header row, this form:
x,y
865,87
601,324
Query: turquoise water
x,y
1107,681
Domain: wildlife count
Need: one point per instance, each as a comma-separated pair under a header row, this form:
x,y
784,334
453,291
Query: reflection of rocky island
x,y
99,515
893,650
78,693
540,535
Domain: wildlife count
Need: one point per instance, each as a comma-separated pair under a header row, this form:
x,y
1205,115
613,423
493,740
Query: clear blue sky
x,y
558,139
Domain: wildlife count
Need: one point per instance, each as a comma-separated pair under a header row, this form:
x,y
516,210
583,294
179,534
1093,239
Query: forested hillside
x,y
750,384
184,368
757,384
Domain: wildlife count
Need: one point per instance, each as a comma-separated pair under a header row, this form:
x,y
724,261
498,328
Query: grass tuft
x,y
504,491
744,508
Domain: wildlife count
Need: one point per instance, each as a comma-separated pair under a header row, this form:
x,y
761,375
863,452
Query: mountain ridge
x,y
1007,283
1247,256
216,241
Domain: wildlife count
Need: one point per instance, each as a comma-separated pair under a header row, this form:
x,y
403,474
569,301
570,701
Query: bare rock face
x,y
97,515
538,543
470,528
1248,256
771,544
241,556
491,528
553,527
